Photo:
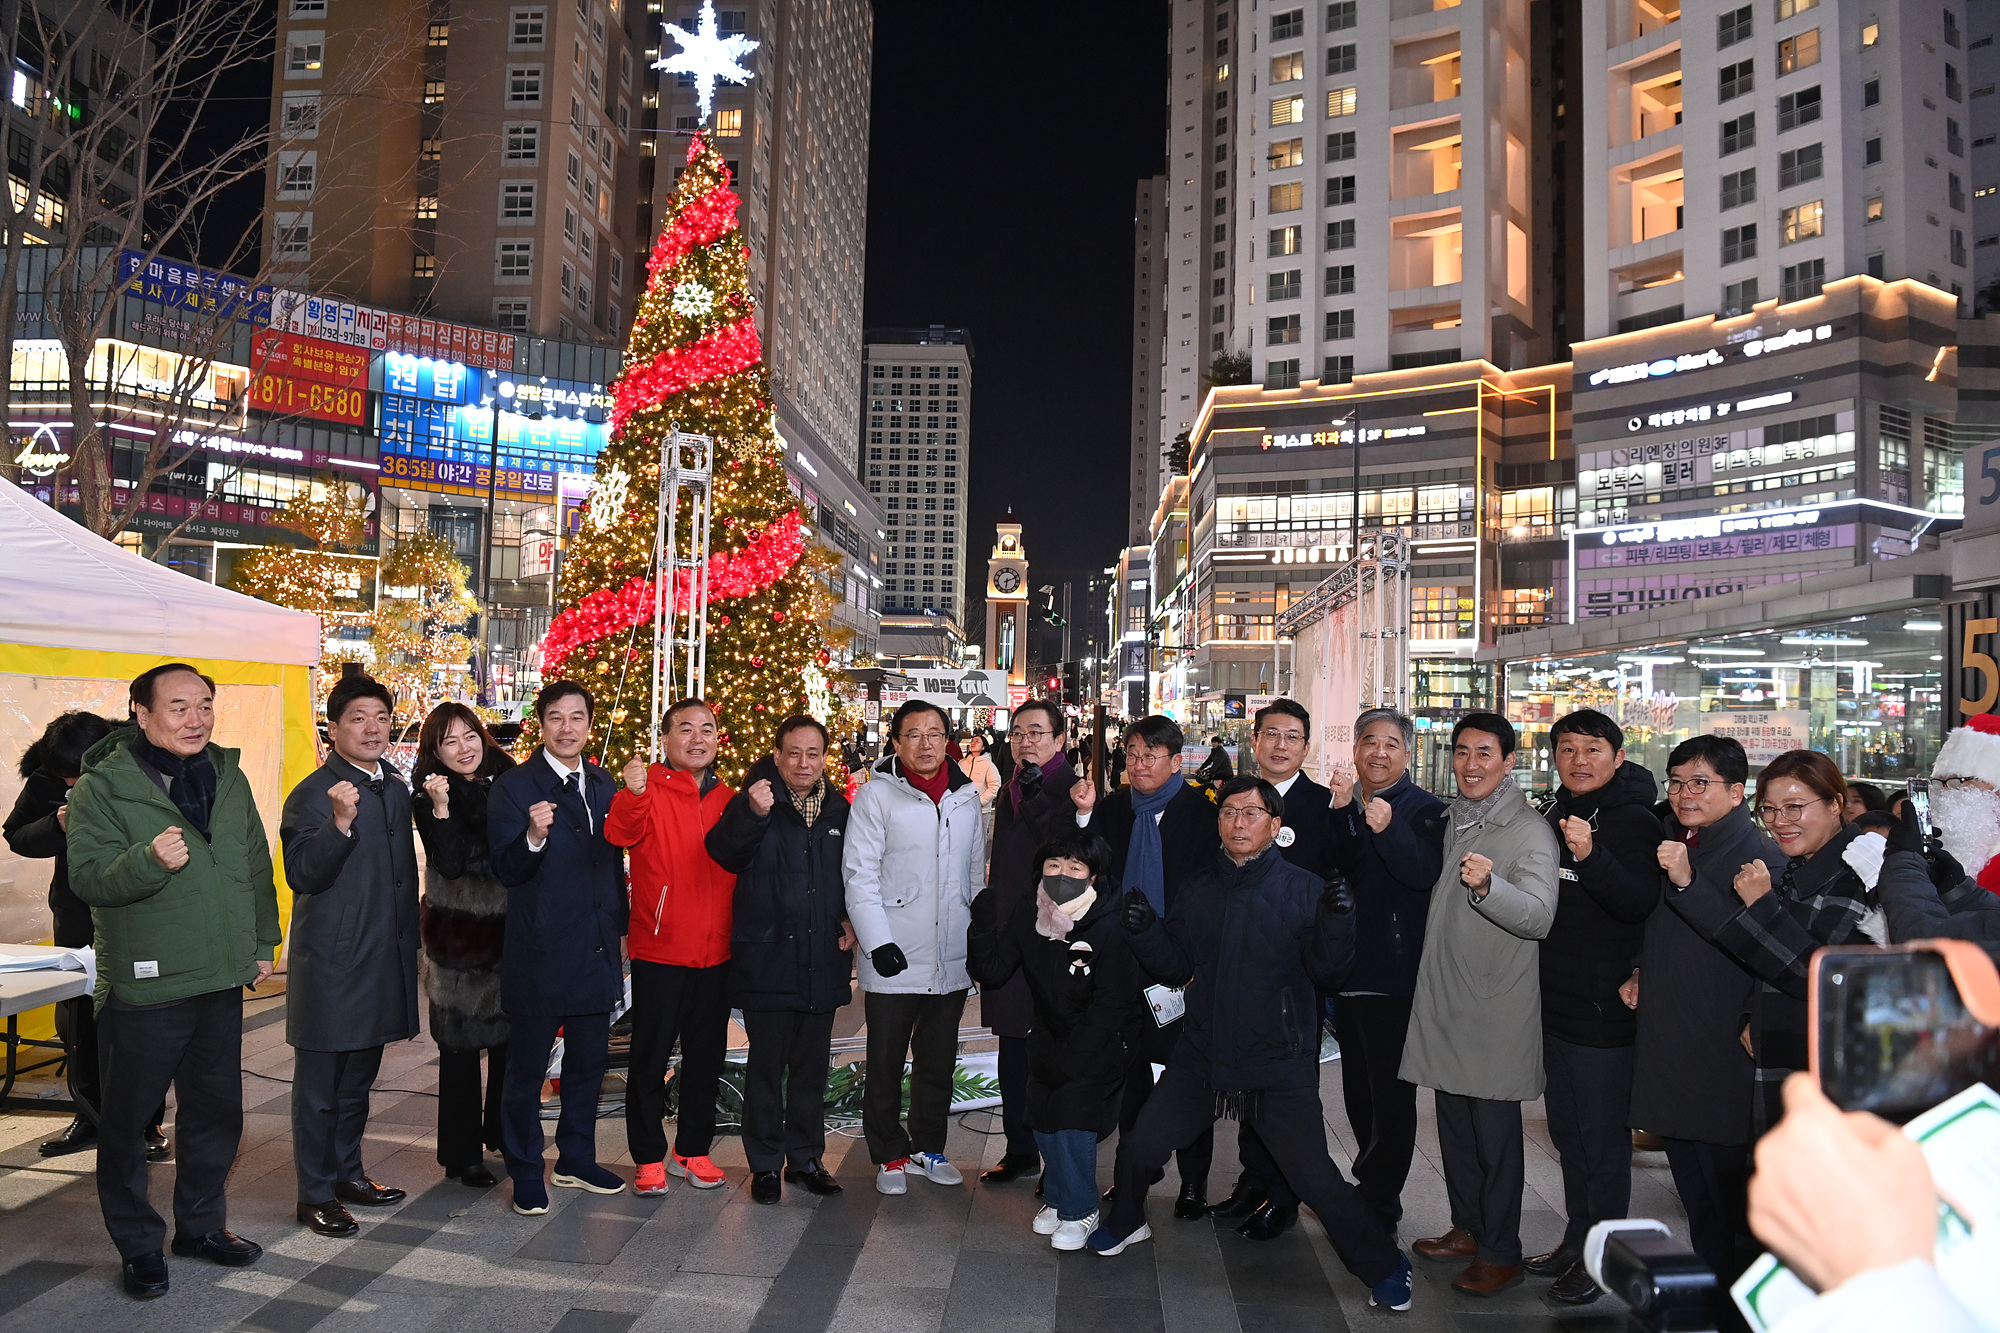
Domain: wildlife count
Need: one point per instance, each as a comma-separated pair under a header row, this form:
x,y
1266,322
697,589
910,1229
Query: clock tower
x,y
1007,605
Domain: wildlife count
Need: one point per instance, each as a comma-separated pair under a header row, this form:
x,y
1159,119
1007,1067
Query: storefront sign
x,y
1764,735
285,396
538,557
949,689
1709,358
39,455
1688,416
419,469
1343,435
533,395
277,352
186,286
390,331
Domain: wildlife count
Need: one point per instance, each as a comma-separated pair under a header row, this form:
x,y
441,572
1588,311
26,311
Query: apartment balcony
x,y
1651,42
1413,18
1644,300
1426,161
1411,298
1661,143
1426,318
1424,71
1428,340
1426,250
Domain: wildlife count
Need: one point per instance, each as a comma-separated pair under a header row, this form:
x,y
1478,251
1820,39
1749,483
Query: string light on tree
x,y
708,55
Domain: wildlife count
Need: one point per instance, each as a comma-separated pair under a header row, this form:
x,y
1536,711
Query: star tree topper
x,y
707,55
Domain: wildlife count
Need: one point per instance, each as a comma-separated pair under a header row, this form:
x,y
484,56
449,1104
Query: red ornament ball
x,y
757,660
722,622
778,616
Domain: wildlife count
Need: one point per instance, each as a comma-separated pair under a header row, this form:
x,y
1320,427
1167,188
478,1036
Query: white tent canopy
x,y
62,586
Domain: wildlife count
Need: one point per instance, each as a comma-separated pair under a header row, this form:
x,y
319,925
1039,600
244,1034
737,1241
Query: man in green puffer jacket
x,y
167,848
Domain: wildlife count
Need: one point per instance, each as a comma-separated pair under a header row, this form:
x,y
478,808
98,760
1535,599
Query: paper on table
x,y
1961,1140
41,958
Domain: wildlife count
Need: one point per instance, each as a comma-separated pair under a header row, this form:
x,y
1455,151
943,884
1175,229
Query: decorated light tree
x,y
695,365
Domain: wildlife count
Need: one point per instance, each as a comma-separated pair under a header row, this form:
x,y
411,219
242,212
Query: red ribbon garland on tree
x,y
731,574
702,222
730,349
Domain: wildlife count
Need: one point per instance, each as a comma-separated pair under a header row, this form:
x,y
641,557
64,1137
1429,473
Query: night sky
x,y
1005,147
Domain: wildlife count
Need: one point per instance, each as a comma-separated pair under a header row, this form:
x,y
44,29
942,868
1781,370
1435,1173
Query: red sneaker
x,y
699,1172
652,1179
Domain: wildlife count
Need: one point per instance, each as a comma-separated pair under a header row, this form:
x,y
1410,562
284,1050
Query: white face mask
x,y
1968,823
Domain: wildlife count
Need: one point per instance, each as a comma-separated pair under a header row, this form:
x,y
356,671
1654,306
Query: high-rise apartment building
x,y
1149,460
917,455
796,139
1194,219
469,159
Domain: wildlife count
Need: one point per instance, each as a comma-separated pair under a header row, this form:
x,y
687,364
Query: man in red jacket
x,y
679,942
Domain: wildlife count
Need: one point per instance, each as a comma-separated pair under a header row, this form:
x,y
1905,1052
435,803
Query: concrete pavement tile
x,y
704,1303
1106,1314
876,1307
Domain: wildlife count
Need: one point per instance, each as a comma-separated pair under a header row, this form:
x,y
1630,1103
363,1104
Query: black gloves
x,y
888,961
1028,777
1908,835
1336,900
1946,873
1139,916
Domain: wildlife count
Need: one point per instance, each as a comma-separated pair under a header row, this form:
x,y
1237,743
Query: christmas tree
x,y
695,365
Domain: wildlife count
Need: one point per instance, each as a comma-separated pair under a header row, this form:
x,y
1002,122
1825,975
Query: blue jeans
x,y
1069,1172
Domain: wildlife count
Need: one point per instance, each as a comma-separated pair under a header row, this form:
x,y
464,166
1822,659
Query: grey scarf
x,y
1464,813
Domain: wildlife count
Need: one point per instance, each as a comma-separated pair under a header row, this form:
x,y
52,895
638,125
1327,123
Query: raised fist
x,y
1139,915
1083,796
761,799
1342,781
1753,881
438,787
1674,860
540,815
1576,833
169,850
635,775
346,798
1378,813
1475,871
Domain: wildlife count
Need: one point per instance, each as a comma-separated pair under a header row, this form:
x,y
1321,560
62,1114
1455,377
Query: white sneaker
x,y
890,1177
1047,1221
1072,1235
934,1167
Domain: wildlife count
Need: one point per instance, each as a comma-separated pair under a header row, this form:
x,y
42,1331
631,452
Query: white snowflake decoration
x,y
693,301
819,692
707,55
607,500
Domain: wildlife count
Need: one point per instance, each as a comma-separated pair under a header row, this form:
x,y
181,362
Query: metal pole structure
x,y
486,555
1065,636
685,461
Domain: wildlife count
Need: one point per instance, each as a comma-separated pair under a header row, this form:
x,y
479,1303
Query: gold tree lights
x,y
695,364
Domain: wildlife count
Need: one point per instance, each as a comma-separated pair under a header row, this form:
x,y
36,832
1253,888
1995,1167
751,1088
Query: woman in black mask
x,y
1088,1018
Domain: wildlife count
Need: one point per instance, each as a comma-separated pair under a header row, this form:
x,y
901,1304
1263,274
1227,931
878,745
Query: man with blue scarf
x,y
1160,828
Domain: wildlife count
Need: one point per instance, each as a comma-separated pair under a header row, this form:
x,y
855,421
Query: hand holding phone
x,y
1897,1030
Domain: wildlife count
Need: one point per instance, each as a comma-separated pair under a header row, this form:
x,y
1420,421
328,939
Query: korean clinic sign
x,y
390,331
440,381
565,396
1319,439
205,291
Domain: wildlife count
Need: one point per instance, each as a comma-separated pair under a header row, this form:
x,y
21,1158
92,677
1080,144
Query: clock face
x,y
1007,580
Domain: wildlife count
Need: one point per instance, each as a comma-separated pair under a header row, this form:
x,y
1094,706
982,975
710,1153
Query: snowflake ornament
x,y
607,500
707,55
693,301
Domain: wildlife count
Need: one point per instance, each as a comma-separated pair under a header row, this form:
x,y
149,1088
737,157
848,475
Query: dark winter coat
x,y
790,901
1190,834
1917,910
1306,840
566,907
1693,1079
1601,909
352,958
1253,948
1390,874
33,832
463,918
1011,876
1088,1021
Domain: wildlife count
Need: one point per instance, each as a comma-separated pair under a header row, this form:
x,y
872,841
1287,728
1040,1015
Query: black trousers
x,y
1021,1145
1194,1157
76,1025
670,1003
194,1046
330,1116
586,1038
467,1122
925,1026
1589,1100
1713,1181
1381,1108
1485,1170
1290,1124
784,1088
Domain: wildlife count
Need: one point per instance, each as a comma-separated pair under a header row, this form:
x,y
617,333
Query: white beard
x,y
1968,823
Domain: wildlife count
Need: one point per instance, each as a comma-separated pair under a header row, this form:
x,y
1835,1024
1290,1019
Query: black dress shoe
x,y
1011,1168
1192,1204
1269,1222
78,1135
1553,1264
367,1193
764,1187
815,1178
328,1219
479,1176
1239,1205
157,1147
146,1276
1576,1287
219,1247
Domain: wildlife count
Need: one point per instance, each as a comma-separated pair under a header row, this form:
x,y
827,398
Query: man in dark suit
x,y
1033,806
1162,828
1281,738
351,862
561,970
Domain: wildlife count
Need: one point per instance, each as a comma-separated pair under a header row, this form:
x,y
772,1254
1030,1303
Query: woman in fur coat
x,y
464,924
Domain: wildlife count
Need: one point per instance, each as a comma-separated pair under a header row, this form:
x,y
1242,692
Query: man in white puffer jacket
x,y
916,856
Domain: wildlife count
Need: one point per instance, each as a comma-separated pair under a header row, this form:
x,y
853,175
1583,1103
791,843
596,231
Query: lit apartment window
x,y
517,201
1288,68
1739,243
432,151
291,236
517,261
301,115
295,174
1871,208
1340,146
1736,80
1339,280
1803,280
427,208
1282,241
1282,286
1732,27
1340,15
1288,197
1339,190
1339,325
511,316
1286,153
1802,222
524,85
1281,329
1791,8
1340,59
433,91
1739,297
1799,108
1799,166
1797,52
524,141
530,28
728,124
1339,102
1739,187
1739,133
1291,23
305,52
1340,234
440,35
1281,374
1287,111
424,267
1871,33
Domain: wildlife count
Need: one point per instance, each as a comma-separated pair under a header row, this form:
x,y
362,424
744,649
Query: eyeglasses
x,y
1288,737
1786,814
1032,733
1962,784
1693,786
1244,814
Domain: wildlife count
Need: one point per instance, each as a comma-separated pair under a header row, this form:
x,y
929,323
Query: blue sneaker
x,y
1105,1243
586,1176
1393,1291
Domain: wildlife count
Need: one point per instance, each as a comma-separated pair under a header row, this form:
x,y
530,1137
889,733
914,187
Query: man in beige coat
x,y
1476,1028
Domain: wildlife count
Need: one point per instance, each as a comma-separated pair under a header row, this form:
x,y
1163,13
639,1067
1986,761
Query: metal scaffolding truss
x,y
680,639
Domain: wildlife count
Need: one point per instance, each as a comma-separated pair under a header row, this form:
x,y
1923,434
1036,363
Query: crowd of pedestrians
x,y
1154,955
